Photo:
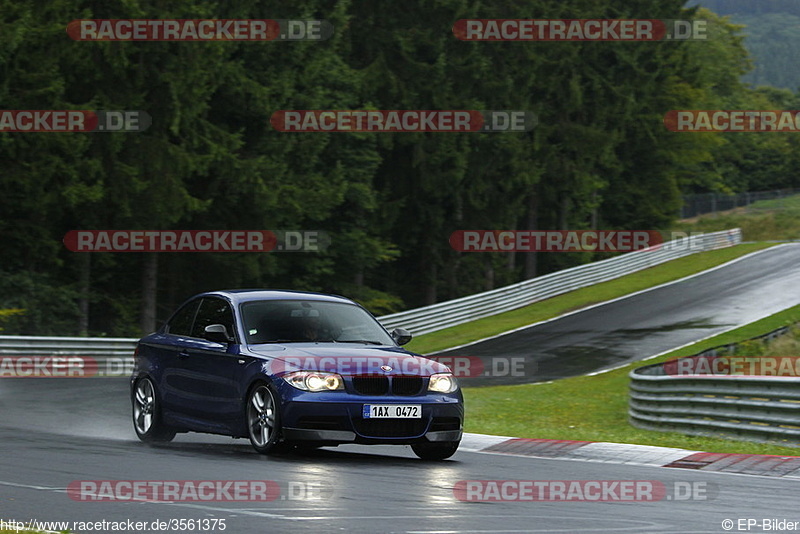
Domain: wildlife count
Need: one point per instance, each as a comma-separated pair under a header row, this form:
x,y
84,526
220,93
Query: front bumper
x,y
345,436
336,418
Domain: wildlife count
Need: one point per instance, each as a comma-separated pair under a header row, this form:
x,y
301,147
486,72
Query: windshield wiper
x,y
365,341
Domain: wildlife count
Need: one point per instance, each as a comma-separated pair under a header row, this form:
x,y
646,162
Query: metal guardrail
x,y
462,310
66,346
751,408
429,318
66,356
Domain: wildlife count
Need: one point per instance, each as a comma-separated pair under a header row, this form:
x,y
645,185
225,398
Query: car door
x,y
162,352
206,373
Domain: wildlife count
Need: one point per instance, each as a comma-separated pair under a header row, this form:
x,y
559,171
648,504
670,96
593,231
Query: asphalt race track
x,y
55,431
645,324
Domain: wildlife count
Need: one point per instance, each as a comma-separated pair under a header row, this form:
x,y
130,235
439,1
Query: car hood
x,y
349,359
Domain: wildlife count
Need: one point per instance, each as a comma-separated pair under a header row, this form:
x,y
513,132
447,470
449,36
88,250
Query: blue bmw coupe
x,y
291,369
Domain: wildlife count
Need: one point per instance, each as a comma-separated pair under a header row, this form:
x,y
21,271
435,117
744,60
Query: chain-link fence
x,y
700,204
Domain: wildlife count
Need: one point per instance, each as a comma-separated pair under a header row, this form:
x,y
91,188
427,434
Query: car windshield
x,y
290,321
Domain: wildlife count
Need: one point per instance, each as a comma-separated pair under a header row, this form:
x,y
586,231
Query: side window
x,y
213,311
181,322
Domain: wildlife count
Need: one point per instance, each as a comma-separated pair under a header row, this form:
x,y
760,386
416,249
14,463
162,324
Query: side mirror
x,y
401,336
217,333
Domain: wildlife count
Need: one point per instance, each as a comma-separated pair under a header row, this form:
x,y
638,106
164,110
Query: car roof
x,y
245,295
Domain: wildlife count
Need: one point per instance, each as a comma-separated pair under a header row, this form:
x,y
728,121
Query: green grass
x,y
594,408
761,221
581,298
788,345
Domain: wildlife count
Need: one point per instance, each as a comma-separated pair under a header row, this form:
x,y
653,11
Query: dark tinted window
x,y
271,321
213,311
181,322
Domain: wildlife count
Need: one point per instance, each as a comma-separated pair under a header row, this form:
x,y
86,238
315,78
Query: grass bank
x,y
765,220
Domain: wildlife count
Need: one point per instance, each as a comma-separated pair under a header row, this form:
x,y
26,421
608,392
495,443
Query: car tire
x,y
146,411
435,451
263,419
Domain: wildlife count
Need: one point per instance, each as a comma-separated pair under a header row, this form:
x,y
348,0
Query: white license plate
x,y
392,411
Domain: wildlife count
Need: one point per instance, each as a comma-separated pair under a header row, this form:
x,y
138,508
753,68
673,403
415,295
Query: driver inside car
x,y
311,329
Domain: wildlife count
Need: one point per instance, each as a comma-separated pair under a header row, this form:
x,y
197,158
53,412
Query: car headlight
x,y
442,383
313,381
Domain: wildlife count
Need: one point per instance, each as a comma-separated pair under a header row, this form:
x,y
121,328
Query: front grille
x,y
379,385
406,385
371,385
390,428
445,423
